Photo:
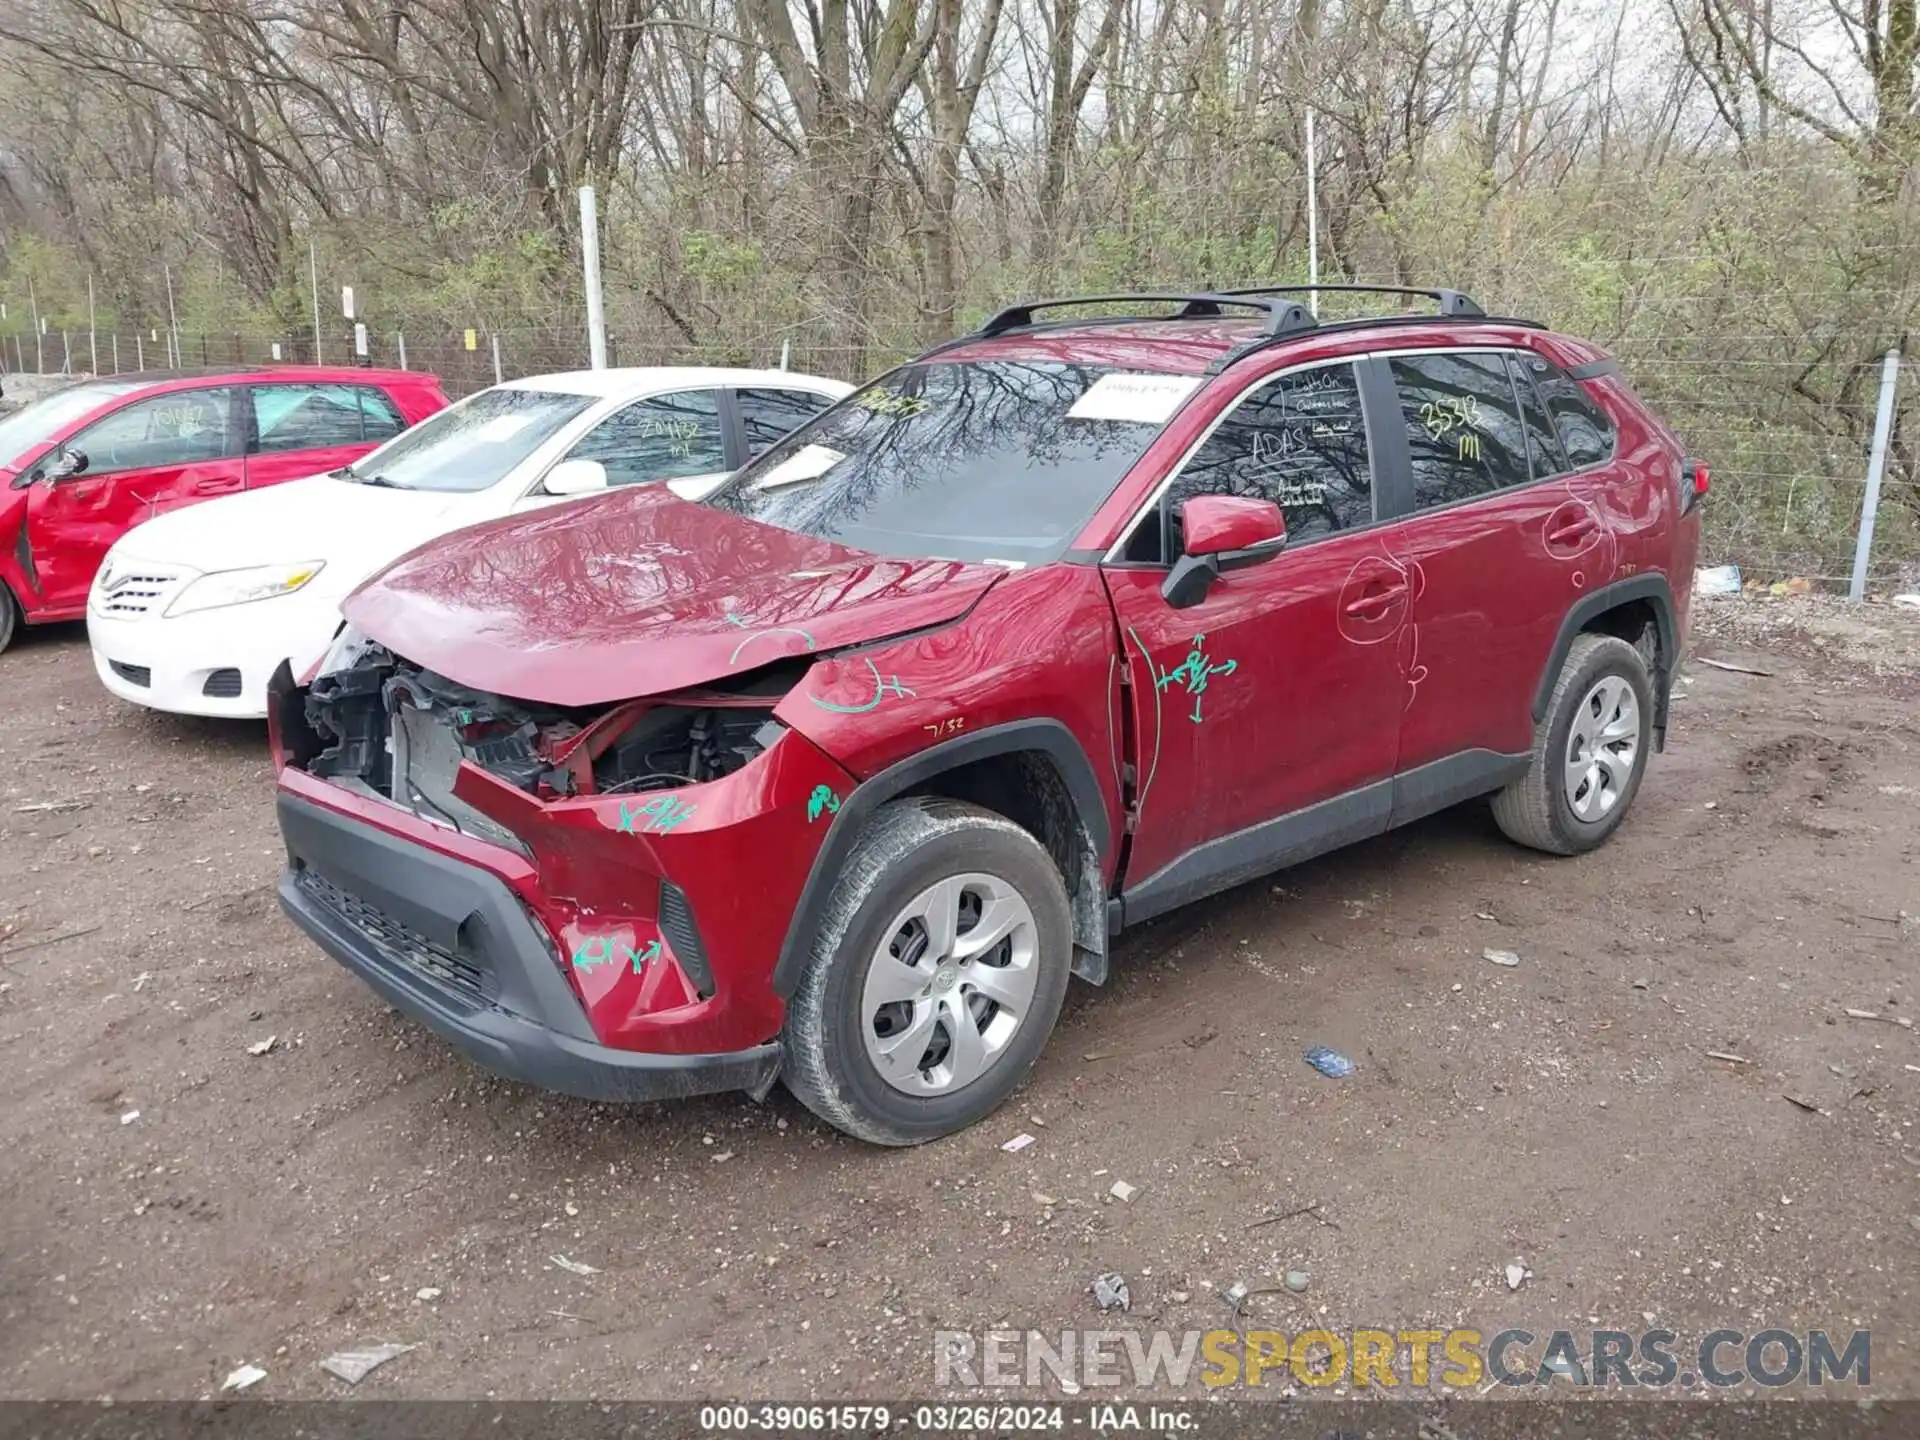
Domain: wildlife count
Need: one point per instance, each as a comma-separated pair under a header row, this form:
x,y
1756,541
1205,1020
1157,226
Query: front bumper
x,y
451,945
172,663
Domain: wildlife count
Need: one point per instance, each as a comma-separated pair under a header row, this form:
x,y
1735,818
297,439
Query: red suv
x,y
836,777
86,464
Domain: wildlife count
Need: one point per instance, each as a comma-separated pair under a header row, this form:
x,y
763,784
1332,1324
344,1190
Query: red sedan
x,y
85,465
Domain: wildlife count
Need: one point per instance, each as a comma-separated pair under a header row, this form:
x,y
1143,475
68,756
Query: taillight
x,y
1694,482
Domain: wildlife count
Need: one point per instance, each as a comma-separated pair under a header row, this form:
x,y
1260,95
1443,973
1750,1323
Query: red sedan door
x,y
300,429
1266,716
147,457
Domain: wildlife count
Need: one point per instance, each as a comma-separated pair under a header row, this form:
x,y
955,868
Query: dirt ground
x,y
175,1206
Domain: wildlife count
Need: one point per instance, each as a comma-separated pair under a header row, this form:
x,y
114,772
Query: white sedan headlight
x,y
243,587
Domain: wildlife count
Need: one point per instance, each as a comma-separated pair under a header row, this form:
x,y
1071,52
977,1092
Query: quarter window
x,y
1463,427
1586,434
185,427
769,416
1300,441
665,438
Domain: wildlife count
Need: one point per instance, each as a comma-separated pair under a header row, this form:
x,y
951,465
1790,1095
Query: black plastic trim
x,y
1594,369
537,1032
1434,786
1653,588
1387,454
1049,737
733,428
1231,860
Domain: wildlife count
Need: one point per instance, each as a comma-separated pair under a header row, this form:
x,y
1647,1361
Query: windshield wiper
x,y
382,481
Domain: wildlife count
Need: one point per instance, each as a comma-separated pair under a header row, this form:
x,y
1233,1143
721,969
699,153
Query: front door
x,y
145,458
1265,716
678,436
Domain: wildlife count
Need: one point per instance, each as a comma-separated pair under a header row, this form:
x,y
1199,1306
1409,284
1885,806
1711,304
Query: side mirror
x,y
576,477
70,463
1221,532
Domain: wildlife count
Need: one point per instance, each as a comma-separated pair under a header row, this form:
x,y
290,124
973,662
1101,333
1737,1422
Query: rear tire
x,y
936,975
1589,751
9,617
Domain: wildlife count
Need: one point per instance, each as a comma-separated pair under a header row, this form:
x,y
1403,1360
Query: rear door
x,y
768,414
1266,715
145,458
1497,544
294,430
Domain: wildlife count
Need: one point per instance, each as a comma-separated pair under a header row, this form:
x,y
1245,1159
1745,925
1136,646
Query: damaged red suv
x,y
837,777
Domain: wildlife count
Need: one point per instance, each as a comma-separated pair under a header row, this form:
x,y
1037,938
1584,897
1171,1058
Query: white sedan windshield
x,y
469,446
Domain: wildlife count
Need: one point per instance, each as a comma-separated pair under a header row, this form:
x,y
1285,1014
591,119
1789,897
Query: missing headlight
x,y
673,745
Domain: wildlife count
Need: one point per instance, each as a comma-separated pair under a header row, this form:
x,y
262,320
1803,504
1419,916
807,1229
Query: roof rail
x,y
1281,317
1451,302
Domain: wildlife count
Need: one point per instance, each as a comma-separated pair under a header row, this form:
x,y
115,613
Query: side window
x,y
1543,446
1586,434
771,415
320,417
663,438
1300,441
184,428
1462,426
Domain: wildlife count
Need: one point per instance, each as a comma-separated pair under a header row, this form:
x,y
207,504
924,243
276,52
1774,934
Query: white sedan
x,y
194,610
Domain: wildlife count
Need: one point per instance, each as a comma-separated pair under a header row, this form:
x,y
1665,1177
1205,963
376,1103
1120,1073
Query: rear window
x,y
988,460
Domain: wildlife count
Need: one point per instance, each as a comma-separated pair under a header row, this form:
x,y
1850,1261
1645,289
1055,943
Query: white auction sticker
x,y
1142,399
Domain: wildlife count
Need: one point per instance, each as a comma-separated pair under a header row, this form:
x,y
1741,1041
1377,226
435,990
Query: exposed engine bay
x,y
390,729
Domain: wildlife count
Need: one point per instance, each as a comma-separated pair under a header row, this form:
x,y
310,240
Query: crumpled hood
x,y
642,593
341,522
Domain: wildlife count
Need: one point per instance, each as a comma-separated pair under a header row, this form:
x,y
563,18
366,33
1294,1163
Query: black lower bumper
x,y
451,945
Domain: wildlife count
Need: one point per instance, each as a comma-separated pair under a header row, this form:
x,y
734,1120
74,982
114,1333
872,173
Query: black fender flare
x,y
1659,594
1049,737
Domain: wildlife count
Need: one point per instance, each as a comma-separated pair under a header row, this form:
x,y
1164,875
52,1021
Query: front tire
x,y
9,617
1589,751
936,975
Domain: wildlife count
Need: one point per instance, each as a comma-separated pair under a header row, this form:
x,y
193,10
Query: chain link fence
x,y
1787,492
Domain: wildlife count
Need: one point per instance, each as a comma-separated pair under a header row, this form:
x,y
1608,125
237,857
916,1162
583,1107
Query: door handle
x,y
222,486
1374,601
1572,531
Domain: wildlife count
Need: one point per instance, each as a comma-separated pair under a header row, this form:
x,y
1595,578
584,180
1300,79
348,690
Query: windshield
x,y
990,460
469,446
27,430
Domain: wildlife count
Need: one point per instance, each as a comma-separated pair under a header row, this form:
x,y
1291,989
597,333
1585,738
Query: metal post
x,y
116,352
139,352
400,339
498,376
173,321
19,358
66,354
590,255
1876,468
39,354
93,337
313,278
786,353
1313,219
